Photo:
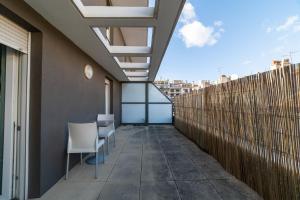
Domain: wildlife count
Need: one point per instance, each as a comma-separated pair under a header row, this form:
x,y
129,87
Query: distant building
x,y
277,64
223,79
205,83
174,88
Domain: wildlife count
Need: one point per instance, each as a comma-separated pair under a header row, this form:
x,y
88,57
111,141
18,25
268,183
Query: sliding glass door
x,y
13,106
2,107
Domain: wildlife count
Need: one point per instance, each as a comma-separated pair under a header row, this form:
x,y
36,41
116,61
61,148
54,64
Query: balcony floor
x,y
154,162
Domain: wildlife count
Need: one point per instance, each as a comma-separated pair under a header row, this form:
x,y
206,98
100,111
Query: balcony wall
x,y
251,126
59,93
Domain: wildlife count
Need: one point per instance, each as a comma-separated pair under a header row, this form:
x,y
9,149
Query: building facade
x,y
277,64
173,88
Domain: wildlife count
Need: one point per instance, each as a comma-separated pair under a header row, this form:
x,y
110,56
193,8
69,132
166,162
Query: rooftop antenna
x,y
290,55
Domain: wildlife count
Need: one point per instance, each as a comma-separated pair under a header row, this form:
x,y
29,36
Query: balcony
x,y
152,162
68,61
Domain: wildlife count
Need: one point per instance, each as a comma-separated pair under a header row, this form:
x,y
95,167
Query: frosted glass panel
x,y
133,92
133,113
160,113
155,95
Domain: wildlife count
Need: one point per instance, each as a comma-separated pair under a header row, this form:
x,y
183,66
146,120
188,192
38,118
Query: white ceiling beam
x,y
121,22
67,18
114,11
129,51
136,74
127,65
138,78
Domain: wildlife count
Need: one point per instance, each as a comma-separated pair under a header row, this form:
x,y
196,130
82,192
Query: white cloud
x,y
283,37
188,13
297,28
218,23
222,30
194,33
269,30
290,22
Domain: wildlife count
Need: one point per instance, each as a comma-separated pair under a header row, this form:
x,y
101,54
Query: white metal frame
x,y
10,119
16,114
114,11
88,20
107,96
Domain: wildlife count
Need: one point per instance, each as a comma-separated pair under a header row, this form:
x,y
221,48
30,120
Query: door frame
x,y
15,171
108,96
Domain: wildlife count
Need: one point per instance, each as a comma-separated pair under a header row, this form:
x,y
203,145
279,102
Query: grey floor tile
x,y
156,172
215,171
187,172
87,172
132,148
154,158
178,157
125,172
144,165
120,191
229,190
165,190
191,190
74,191
130,158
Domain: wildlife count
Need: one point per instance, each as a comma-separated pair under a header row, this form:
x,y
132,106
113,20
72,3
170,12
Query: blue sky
x,y
240,37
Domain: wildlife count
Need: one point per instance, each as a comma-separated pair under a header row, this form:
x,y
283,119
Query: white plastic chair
x,y
106,127
83,138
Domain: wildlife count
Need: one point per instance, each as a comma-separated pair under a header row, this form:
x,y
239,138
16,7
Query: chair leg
x,y
96,166
103,153
114,140
80,158
67,167
107,144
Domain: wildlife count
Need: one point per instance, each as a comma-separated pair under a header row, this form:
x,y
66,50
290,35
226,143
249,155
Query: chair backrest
x,y
105,118
82,136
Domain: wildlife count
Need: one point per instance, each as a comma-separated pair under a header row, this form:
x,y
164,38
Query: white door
x,y
107,96
14,106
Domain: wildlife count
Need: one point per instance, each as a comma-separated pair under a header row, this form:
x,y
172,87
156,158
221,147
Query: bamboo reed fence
x,y
252,127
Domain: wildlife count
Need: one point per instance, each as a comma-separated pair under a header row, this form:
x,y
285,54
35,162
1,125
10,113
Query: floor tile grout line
x,y
171,170
140,188
105,182
215,189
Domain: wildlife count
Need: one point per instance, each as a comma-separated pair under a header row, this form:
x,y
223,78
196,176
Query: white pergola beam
x,y
138,78
127,65
129,51
114,11
136,74
121,22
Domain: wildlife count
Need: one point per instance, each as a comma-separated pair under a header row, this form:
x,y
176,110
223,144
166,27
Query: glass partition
x,y
133,113
155,95
144,103
160,113
133,92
